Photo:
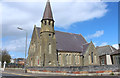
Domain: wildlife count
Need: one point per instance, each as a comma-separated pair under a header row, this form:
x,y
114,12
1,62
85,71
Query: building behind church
x,y
55,48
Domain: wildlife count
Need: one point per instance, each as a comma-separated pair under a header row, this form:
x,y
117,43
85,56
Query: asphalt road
x,y
16,75
61,77
7,74
11,74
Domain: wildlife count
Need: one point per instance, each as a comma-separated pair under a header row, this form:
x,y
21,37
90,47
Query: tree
x,y
5,56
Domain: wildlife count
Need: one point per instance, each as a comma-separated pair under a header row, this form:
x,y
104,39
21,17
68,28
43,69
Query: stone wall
x,y
80,68
14,70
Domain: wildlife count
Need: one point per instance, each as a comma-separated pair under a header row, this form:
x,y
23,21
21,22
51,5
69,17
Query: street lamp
x,y
25,46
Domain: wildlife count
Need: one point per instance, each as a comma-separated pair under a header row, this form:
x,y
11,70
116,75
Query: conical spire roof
x,y
48,11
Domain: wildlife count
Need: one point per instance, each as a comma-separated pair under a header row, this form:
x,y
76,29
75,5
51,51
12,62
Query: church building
x,y
49,47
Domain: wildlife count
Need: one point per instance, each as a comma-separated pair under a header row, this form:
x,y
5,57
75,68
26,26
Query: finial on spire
x,y
48,0
48,11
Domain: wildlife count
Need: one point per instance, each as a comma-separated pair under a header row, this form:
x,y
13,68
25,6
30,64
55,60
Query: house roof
x,y
68,41
102,50
116,52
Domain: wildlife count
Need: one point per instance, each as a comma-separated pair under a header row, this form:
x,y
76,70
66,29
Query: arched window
x,y
34,47
119,59
67,58
78,59
31,62
49,63
59,59
49,48
40,49
92,57
95,59
89,59
49,22
45,22
74,63
75,59
37,60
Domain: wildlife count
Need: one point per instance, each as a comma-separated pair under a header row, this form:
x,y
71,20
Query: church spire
x,y
48,11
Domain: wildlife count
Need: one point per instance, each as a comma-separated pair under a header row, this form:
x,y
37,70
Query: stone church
x,y
55,48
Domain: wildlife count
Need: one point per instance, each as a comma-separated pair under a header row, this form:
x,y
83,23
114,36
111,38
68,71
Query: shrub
x,y
112,73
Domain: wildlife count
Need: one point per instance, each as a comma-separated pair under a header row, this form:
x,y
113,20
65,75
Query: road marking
x,y
16,74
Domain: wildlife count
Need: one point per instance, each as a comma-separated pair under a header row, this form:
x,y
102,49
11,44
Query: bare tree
x,y
4,56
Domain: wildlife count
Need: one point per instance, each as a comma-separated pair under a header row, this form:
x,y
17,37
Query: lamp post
x,y
25,47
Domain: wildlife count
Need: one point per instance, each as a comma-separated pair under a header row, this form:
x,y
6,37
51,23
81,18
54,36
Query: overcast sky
x,y
96,21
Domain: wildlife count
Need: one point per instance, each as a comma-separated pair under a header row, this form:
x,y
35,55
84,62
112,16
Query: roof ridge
x,y
64,32
68,32
86,43
103,46
113,49
83,38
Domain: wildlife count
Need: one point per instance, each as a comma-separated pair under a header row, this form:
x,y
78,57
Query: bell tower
x,y
47,38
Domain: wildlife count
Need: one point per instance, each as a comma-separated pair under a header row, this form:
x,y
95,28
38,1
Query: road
x,y
18,73
11,74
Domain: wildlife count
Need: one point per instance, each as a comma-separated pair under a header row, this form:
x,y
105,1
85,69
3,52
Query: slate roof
x,y
116,52
114,49
105,50
68,41
48,11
